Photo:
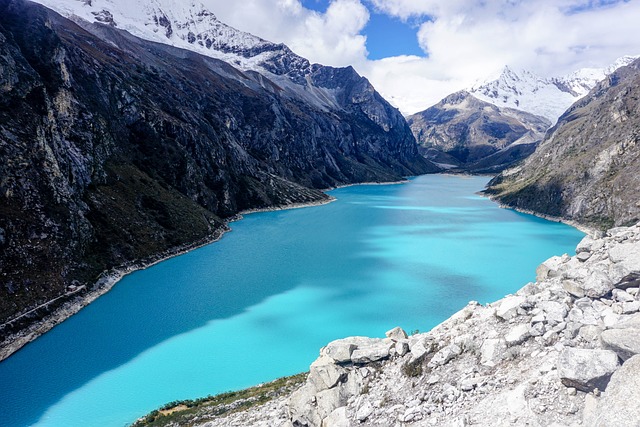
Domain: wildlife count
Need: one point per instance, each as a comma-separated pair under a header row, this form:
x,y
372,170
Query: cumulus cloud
x,y
330,38
464,40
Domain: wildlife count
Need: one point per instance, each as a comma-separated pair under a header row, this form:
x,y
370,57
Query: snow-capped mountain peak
x,y
188,25
547,97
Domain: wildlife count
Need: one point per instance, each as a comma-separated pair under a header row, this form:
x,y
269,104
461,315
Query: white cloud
x,y
465,40
468,40
331,38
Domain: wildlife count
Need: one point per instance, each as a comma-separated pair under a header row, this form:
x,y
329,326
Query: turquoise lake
x,y
260,303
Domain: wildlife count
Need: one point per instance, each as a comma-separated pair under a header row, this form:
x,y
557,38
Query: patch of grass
x,y
412,369
183,412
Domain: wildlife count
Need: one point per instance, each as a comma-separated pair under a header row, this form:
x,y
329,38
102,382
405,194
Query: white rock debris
x,y
563,351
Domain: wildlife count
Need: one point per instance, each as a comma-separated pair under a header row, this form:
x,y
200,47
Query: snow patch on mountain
x,y
547,97
188,25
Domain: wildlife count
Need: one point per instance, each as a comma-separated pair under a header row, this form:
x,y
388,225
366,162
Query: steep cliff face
x,y
587,169
115,149
465,133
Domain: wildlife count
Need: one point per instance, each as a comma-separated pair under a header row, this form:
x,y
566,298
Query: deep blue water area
x,y
260,303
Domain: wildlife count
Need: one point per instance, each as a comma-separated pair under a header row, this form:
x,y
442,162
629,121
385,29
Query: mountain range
x,y
117,149
476,141
498,123
546,97
462,132
587,168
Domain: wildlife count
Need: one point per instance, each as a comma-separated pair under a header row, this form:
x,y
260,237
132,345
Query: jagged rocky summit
x,y
496,124
562,351
546,97
462,132
588,167
116,150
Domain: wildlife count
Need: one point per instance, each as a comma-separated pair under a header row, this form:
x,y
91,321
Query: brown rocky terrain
x,y
464,133
587,168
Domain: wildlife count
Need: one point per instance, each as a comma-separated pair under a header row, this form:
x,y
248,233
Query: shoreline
x,y
109,278
105,282
593,232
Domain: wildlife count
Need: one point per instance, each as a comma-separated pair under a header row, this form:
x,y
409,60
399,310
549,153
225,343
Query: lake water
x,y
261,302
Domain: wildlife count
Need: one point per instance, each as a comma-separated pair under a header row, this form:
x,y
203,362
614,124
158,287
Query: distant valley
x,y
496,124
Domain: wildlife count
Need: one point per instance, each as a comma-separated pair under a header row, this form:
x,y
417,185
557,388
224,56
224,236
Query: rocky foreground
x,y
562,351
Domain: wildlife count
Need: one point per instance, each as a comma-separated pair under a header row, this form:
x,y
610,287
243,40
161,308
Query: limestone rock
x,y
622,296
301,407
554,312
583,256
573,287
625,342
590,333
597,285
619,406
594,285
376,350
324,374
328,401
338,418
364,411
630,307
632,321
419,350
508,307
445,355
517,334
585,244
586,369
549,268
492,351
402,347
631,280
396,334
627,255
340,350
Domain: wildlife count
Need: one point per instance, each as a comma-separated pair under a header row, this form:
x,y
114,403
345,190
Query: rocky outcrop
x,y
543,356
117,149
587,168
463,133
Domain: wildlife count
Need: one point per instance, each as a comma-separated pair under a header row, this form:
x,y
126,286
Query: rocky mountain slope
x,y
496,124
117,149
564,350
546,97
190,25
464,133
588,167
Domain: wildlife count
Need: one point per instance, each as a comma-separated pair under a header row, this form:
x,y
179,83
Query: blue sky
x,y
415,52
386,35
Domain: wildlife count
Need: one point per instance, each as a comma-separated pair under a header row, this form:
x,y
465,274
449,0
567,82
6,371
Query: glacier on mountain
x,y
546,97
188,25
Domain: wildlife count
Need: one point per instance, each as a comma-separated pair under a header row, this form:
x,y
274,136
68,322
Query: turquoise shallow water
x,y
261,302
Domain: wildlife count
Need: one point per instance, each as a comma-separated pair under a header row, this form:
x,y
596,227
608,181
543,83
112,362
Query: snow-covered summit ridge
x,y
189,25
547,97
